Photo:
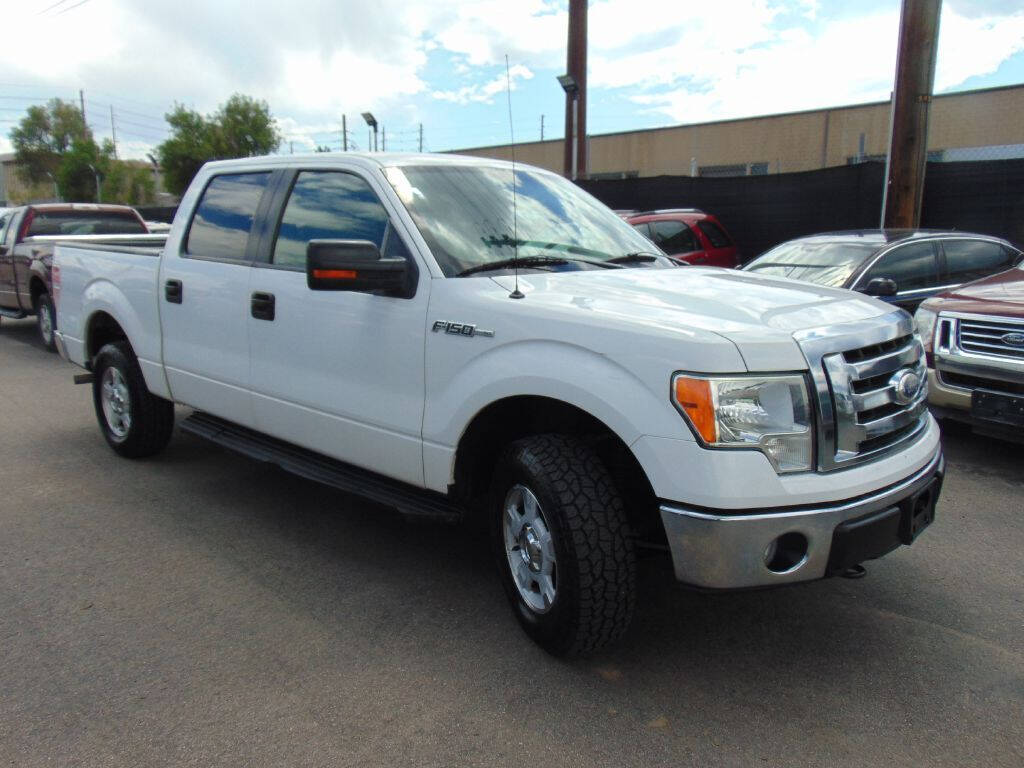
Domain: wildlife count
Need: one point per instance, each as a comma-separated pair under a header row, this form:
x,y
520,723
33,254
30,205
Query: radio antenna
x,y
516,294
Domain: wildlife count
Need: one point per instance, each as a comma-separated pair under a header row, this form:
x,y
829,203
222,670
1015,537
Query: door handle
x,y
173,291
262,306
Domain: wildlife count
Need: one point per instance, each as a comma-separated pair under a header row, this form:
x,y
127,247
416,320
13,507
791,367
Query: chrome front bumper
x,y
727,551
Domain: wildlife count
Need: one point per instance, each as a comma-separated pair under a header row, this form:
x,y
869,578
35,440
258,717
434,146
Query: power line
x,y
71,7
51,7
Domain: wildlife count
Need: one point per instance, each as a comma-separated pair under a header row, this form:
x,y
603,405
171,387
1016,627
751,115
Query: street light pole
x,y
572,91
372,122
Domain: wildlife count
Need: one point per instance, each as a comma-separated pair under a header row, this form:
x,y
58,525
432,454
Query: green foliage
x,y
322,148
44,135
242,127
75,176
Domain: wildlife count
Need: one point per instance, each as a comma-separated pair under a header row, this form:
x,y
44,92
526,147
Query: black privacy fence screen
x,y
762,211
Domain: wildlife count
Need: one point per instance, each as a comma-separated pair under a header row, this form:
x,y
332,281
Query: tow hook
x,y
855,572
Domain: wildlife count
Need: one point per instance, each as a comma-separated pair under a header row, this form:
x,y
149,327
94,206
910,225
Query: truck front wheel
x,y
134,422
563,545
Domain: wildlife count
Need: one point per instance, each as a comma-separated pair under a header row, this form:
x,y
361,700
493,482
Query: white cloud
x,y
485,92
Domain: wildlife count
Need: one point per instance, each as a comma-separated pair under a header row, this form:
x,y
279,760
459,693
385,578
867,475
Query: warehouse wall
x,y
799,141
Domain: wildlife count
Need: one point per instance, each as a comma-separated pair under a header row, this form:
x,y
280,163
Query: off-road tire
x,y
46,318
596,562
152,417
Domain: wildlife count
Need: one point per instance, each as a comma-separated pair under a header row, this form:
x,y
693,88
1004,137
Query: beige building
x,y
972,125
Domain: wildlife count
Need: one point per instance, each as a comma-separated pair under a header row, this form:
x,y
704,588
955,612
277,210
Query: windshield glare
x,y
829,264
465,215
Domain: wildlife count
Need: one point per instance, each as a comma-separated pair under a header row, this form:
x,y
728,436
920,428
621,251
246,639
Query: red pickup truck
x,y
27,237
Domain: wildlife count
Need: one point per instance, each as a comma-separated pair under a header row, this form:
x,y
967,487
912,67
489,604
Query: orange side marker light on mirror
x,y
335,274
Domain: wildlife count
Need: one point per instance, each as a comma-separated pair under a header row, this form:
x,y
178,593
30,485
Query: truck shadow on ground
x,y
349,562
23,331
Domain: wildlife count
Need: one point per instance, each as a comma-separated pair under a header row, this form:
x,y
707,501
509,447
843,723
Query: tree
x,y
241,127
44,135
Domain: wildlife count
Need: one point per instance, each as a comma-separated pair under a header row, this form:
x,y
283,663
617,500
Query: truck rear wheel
x,y
134,422
563,545
46,321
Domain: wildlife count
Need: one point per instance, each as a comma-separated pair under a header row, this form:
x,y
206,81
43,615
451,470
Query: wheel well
x,y
36,287
103,329
511,419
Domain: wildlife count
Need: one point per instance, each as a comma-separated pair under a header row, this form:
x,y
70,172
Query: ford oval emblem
x,y
906,385
1013,339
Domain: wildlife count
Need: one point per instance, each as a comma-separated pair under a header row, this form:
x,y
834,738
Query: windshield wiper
x,y
535,261
523,261
635,257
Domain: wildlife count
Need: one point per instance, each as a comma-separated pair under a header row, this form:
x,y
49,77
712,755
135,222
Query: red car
x,y
687,234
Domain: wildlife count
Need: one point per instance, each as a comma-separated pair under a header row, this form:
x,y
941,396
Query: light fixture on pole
x,y
372,122
572,90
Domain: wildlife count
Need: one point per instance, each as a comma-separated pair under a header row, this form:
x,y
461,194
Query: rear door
x,y
338,372
8,229
966,260
721,252
203,294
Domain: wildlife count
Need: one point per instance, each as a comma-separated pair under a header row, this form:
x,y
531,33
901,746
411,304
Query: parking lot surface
x,y
203,609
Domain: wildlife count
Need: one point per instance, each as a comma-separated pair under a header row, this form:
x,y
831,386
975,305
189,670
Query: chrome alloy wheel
x,y
530,549
117,405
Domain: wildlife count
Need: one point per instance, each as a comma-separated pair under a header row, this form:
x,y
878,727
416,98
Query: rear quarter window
x,y
968,260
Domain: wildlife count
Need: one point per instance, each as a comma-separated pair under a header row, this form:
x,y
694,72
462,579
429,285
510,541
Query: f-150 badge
x,y
459,329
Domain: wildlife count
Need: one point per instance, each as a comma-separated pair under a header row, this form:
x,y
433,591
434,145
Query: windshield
x,y
829,264
465,215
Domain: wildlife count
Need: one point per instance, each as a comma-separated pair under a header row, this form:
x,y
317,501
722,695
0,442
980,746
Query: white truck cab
x,y
457,337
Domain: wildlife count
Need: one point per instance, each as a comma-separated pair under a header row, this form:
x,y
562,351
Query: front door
x,y
204,299
338,372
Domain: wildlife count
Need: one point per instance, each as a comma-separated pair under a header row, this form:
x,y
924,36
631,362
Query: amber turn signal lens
x,y
334,274
694,397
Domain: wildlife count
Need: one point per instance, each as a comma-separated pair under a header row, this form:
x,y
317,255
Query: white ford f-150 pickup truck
x,y
459,337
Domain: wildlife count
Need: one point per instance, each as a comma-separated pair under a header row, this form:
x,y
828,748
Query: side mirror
x,y
354,265
880,286
3,250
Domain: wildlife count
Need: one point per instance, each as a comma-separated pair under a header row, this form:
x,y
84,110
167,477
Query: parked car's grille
x,y
964,381
862,411
991,337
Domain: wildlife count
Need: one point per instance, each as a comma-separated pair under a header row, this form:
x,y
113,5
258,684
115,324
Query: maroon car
x,y
974,342
27,236
686,234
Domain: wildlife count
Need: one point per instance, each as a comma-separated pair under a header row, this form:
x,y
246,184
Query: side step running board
x,y
407,499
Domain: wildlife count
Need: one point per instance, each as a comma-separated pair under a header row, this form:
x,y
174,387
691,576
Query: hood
x,y
1001,294
758,314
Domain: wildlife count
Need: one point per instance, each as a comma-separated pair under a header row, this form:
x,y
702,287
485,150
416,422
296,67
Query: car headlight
x,y
924,320
769,413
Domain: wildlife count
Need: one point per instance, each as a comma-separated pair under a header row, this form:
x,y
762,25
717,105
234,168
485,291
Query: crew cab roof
x,y
366,159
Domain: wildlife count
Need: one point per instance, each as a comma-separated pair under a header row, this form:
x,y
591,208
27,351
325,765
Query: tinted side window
x,y
224,216
328,205
674,237
911,266
715,234
968,260
644,229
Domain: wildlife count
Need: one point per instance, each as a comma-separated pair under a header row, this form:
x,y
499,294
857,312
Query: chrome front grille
x,y
998,338
871,384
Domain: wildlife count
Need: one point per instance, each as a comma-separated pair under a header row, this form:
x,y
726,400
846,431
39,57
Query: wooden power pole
x,y
576,67
908,142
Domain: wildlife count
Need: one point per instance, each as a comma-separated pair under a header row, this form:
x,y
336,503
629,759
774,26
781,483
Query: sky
x,y
441,63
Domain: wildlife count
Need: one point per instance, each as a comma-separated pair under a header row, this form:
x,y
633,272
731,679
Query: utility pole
x,y
421,137
576,104
291,147
81,101
542,127
344,135
908,141
113,130
383,139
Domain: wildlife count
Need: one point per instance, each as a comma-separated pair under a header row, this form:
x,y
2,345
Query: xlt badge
x,y
459,329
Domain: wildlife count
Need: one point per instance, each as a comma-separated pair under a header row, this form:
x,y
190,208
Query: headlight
x,y
768,413
925,319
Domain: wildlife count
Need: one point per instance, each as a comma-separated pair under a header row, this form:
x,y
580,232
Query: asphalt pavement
x,y
199,608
